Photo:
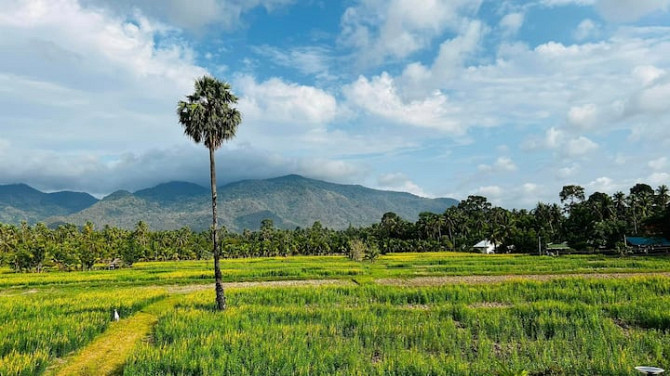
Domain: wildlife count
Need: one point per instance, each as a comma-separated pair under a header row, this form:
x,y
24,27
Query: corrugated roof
x,y
647,242
558,246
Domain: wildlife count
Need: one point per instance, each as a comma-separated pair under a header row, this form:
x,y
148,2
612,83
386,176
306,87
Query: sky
x,y
507,99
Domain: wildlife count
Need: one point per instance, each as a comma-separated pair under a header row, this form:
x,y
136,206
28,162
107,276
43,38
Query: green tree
x,y
661,199
137,245
89,247
208,117
572,193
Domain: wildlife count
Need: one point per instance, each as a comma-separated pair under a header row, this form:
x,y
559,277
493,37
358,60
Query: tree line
x,y
594,223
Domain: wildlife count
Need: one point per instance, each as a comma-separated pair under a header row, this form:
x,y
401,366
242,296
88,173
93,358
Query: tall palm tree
x,y
207,117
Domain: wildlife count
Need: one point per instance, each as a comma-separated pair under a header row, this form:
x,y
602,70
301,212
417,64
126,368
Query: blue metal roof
x,y
645,242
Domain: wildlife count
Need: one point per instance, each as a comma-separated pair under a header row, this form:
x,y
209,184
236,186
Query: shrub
x,y
357,249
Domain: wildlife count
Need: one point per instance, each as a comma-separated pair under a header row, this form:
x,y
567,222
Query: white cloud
x,y
502,164
603,184
617,10
554,138
417,80
647,74
511,23
330,170
586,29
378,29
380,97
66,36
620,159
659,178
568,171
187,162
276,101
658,164
80,79
194,16
627,11
492,191
309,60
553,3
530,188
652,99
399,182
583,117
580,146
505,164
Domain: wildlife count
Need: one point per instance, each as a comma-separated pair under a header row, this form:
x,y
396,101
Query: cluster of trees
x,y
592,223
68,247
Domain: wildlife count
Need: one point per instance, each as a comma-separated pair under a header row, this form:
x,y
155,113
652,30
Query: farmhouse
x,y
648,244
485,246
553,249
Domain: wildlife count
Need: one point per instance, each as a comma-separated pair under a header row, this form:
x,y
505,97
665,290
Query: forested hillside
x,y
290,201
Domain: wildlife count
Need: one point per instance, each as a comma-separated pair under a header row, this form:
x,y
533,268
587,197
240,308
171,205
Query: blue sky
x,y
506,99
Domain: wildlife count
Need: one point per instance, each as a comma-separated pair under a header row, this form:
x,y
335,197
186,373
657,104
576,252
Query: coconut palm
x,y
207,117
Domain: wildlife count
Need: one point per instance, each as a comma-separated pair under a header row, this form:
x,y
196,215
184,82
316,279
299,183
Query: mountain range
x,y
290,201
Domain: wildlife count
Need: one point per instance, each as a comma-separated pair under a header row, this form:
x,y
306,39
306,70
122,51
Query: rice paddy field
x,y
406,314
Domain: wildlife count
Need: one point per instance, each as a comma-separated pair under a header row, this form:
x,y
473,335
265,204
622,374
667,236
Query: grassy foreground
x,y
567,326
564,327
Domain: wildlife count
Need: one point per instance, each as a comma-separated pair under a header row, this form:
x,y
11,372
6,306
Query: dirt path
x,y
107,354
109,351
289,283
484,279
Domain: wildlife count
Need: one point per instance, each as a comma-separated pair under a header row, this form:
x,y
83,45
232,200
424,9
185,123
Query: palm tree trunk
x,y
220,297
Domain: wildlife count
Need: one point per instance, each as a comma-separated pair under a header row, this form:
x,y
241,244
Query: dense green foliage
x,y
599,222
594,224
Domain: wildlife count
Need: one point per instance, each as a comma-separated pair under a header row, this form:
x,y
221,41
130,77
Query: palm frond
x,y
207,115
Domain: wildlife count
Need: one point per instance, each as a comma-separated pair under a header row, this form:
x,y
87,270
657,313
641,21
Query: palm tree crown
x,y
207,115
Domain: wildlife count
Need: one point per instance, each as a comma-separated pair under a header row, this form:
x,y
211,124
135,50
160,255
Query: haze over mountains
x,y
290,201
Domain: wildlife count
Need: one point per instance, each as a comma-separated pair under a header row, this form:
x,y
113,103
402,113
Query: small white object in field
x,y
650,370
116,315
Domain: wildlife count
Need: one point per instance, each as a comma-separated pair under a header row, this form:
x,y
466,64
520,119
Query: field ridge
x,y
107,354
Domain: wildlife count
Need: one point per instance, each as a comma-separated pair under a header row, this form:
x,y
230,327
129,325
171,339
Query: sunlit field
x,y
37,326
403,265
572,326
372,322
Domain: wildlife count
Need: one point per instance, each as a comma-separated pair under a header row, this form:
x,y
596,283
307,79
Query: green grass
x,y
406,265
107,354
566,326
37,326
571,326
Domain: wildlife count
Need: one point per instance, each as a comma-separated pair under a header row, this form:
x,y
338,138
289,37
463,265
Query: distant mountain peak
x,y
290,201
117,195
25,203
171,191
17,188
290,177
177,184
